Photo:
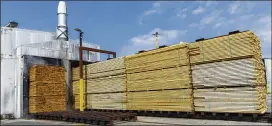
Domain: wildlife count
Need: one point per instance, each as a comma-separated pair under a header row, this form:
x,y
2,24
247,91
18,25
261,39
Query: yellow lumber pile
x,y
230,46
107,77
165,100
165,68
150,75
114,101
171,78
228,74
47,89
172,56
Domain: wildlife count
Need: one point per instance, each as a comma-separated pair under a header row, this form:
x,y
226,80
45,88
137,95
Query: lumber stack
x,y
165,100
47,89
151,74
103,79
233,46
231,82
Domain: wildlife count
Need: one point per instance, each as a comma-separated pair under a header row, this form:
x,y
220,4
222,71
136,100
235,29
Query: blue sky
x,y
127,27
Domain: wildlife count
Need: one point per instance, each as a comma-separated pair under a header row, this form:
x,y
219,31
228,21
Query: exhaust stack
x,y
62,30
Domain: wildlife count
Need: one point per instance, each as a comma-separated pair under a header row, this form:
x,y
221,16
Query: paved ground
x,y
142,120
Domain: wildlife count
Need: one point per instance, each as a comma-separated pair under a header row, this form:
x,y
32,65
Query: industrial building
x,y
21,48
212,75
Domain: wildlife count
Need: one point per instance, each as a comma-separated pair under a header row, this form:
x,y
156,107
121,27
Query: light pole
x,y
81,87
157,38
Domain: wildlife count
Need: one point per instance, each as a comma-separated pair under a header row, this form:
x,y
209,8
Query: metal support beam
x,y
81,82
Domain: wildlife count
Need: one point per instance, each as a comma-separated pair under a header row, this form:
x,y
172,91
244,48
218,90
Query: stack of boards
x,y
105,87
160,80
47,89
222,74
236,85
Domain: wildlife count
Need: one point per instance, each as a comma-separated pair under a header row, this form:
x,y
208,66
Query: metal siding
x,y
268,73
55,49
7,85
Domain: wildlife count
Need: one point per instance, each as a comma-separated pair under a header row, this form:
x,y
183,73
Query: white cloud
x,y
184,10
218,25
198,10
147,41
192,25
210,3
154,10
207,20
156,4
234,7
179,15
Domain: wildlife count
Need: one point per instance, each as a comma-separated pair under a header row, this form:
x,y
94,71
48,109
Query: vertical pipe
x,y
81,99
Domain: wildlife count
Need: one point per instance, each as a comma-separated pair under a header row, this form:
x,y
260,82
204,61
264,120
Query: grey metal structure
x,y
267,63
16,44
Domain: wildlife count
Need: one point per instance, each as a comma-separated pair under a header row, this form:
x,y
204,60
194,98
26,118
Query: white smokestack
x,y
62,30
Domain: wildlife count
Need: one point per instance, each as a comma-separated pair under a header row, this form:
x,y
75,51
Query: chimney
x,y
62,30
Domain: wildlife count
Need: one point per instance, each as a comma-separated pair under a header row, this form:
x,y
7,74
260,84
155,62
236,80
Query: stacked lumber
x,y
231,100
47,89
241,72
102,79
237,45
171,78
165,100
228,74
151,74
113,101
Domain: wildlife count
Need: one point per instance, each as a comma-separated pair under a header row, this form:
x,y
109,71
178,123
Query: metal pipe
x,y
81,73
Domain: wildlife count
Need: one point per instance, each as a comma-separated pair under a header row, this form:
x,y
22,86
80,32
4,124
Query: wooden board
x,y
165,100
171,78
75,87
106,68
75,100
101,85
108,65
171,56
242,72
240,99
47,73
47,103
115,101
45,88
230,46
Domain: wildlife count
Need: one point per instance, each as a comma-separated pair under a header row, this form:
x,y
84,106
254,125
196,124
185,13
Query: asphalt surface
x,y
142,120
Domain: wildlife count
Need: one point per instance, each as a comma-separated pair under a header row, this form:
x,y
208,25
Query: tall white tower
x,y
62,29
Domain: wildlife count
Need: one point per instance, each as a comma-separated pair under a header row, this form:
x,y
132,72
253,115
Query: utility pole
x,y
157,39
81,86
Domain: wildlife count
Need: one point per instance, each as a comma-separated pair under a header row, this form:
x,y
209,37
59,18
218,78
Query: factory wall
x,y
18,43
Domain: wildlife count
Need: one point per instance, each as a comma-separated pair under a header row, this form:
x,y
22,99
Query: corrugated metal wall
x,y
16,43
268,74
